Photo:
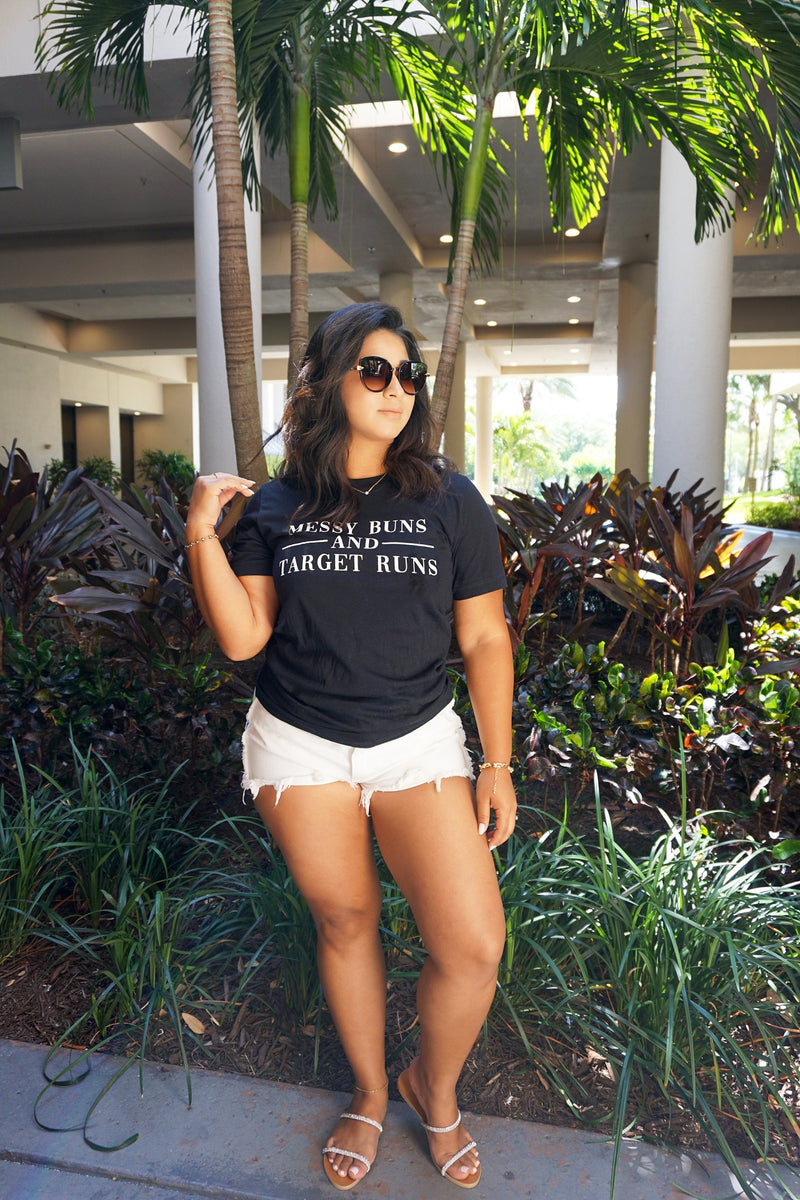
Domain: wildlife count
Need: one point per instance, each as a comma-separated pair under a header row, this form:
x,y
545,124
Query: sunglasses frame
x,y
393,371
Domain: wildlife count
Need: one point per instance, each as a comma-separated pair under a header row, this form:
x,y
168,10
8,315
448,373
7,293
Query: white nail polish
x,y
481,829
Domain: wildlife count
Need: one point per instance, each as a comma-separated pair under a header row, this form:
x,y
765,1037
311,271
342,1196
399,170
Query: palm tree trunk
x,y
234,273
300,174
471,195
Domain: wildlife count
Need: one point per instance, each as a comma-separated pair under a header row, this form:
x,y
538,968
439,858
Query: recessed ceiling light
x,y
479,301
491,323
137,413
79,404
398,147
573,299
574,321
574,350
446,238
572,232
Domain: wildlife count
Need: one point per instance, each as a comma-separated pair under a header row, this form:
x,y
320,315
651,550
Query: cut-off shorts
x,y
279,755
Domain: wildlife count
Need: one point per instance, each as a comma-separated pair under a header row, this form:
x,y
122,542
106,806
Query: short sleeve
x,y
477,564
252,553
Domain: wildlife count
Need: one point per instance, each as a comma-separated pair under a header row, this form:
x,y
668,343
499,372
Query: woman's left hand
x,y
498,796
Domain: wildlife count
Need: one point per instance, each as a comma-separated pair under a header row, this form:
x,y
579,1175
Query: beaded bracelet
x,y
197,541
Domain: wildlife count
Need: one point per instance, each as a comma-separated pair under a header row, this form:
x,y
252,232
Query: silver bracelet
x,y
207,538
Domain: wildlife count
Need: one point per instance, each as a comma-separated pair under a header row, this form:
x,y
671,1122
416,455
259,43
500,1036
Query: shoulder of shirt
x,y
460,486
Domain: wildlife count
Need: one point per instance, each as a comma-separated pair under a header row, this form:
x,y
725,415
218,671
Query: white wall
x,y
36,379
21,27
172,431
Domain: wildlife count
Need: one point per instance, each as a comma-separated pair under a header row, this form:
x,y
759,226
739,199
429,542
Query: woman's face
x,y
376,418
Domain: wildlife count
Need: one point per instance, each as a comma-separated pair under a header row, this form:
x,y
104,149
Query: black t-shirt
x,y
358,652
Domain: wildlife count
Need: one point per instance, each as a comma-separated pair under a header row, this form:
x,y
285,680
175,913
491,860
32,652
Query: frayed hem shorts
x,y
279,755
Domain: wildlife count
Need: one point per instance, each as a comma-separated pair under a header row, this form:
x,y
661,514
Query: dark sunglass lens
x,y
412,376
375,373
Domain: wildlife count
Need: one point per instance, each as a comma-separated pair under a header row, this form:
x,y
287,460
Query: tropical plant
x,y
138,583
693,571
171,465
41,531
599,75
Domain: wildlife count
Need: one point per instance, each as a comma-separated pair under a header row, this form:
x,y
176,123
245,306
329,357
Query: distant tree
x,y
521,458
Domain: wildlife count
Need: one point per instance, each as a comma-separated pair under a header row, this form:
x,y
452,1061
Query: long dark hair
x,y
315,428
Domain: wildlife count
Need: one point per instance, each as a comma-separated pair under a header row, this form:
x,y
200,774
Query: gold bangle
x,y
207,538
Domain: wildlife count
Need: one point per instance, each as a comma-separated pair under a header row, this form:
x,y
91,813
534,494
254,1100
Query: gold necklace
x,y
371,487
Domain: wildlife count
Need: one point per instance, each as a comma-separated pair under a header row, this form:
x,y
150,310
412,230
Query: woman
x,y
349,568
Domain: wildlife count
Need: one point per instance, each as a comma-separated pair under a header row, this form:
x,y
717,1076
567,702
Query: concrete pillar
x,y
484,481
397,288
695,284
217,451
454,441
635,329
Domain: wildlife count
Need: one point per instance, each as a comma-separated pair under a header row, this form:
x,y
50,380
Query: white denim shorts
x,y
281,756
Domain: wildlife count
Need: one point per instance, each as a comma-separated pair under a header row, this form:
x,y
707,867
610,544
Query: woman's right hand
x,y
210,495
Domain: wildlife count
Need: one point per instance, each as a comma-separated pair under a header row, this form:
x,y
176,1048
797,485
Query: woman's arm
x,y
486,648
241,611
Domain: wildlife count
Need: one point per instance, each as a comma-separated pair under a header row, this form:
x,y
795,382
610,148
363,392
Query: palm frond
x,y
88,44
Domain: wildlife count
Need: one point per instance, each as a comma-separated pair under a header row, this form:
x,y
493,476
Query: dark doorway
x,y
69,436
126,452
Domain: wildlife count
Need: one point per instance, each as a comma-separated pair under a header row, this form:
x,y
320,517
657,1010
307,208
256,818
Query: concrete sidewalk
x,y
246,1139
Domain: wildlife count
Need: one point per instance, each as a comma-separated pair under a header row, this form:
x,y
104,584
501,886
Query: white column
x,y
217,451
484,481
695,284
636,317
454,440
397,288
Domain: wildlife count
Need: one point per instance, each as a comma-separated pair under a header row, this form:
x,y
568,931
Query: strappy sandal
x,y
344,1183
412,1100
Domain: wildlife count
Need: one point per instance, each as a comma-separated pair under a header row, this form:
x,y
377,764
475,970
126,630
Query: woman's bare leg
x,y
326,838
431,845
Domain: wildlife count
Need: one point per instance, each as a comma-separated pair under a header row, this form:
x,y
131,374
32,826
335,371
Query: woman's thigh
x,y
325,837
431,844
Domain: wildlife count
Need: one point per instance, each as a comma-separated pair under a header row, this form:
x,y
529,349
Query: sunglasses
x,y
376,374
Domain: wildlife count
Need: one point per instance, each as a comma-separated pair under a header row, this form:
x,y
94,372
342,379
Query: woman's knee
x,y
472,948
341,924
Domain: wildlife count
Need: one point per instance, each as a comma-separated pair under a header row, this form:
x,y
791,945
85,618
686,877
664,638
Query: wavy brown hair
x,y
316,431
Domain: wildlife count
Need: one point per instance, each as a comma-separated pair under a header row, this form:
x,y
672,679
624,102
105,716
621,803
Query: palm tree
x,y
304,88
103,41
597,76
234,272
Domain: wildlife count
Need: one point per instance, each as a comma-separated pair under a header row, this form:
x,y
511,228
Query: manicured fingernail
x,y
481,829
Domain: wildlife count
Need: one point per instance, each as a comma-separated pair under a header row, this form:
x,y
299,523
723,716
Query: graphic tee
x,y
358,652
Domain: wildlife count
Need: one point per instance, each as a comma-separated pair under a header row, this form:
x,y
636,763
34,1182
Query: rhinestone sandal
x,y
340,1182
412,1100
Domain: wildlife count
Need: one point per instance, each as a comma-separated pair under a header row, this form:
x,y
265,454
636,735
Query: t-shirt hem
x,y
352,737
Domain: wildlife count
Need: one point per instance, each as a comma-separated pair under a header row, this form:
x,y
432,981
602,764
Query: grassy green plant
x,y
277,907
31,831
777,514
118,835
678,973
